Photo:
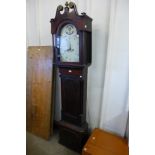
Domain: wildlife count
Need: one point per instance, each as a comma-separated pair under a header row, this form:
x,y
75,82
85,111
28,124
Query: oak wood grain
x,y
39,90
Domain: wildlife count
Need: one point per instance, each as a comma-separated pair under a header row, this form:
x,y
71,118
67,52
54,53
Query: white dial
x,y
69,44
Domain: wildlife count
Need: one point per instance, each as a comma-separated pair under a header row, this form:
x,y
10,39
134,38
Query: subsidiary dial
x,y
69,29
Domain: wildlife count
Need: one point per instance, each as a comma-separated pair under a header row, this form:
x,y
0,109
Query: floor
x,y
39,146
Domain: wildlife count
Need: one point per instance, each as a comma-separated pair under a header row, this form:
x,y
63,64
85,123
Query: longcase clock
x,y
71,35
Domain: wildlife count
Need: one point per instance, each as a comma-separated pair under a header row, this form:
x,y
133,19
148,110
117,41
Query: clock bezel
x,y
58,34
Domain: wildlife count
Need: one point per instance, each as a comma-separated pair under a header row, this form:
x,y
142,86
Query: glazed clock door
x,y
69,44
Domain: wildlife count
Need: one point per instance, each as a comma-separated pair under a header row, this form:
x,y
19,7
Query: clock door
x,y
69,44
72,90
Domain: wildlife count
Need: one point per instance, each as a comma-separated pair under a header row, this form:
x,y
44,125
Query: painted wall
x,y
115,94
107,77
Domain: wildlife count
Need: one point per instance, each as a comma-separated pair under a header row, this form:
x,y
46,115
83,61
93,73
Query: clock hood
x,y
69,14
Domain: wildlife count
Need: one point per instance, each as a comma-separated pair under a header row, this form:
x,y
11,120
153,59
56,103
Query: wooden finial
x,y
60,8
66,4
71,5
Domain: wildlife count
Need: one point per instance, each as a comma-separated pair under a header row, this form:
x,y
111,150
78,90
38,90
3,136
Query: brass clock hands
x,y
70,48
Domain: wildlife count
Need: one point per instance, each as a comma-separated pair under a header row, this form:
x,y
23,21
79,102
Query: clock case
x,y
73,126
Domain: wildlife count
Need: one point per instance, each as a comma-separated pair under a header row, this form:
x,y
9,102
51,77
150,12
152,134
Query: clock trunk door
x,y
72,98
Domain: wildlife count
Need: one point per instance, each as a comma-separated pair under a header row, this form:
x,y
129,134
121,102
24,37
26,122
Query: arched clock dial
x,y
69,44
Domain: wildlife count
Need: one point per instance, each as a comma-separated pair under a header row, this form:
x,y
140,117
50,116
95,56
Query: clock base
x,y
73,137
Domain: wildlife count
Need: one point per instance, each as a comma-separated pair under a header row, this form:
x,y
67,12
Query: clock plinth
x,y
71,34
72,136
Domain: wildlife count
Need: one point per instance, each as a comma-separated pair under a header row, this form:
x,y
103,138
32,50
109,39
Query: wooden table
x,y
103,143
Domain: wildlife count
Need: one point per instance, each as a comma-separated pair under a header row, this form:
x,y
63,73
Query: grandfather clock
x,y
71,35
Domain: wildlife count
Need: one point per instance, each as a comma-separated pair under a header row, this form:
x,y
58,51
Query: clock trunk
x,y
73,95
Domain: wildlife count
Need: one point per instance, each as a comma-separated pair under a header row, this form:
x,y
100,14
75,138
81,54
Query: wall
x,y
109,33
115,93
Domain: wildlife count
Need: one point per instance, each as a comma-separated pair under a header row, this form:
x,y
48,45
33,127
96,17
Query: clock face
x,y
69,44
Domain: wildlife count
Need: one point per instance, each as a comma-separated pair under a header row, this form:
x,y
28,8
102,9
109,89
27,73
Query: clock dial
x,y
69,44
69,29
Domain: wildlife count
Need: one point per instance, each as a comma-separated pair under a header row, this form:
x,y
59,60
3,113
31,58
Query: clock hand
x,y
72,48
69,47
